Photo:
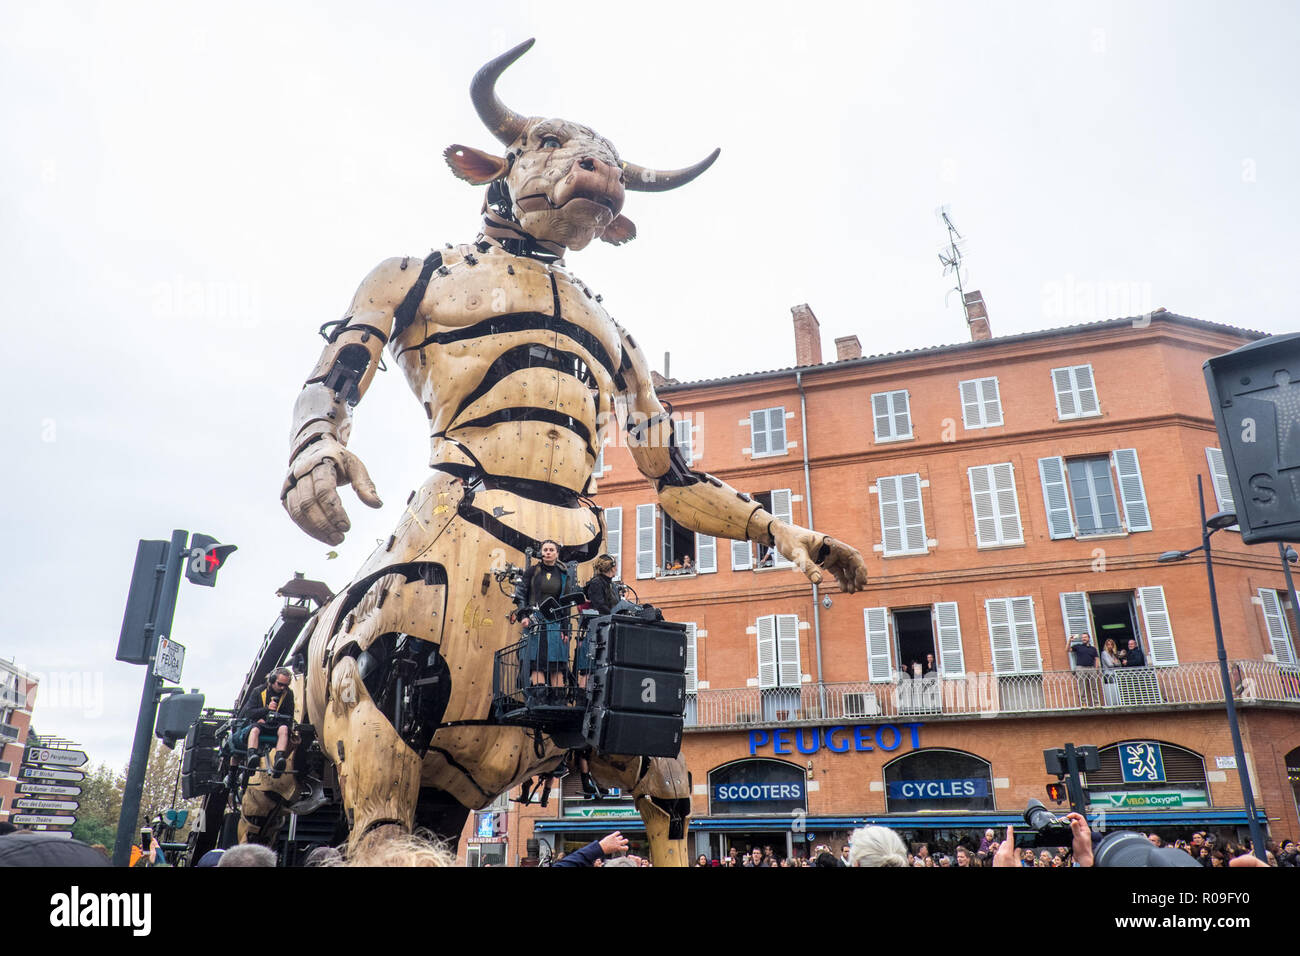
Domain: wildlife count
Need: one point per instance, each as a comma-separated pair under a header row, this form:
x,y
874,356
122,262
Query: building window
x,y
778,651
996,508
6,768
692,674
682,435
1080,495
8,732
614,538
1277,626
1076,392
892,415
758,787
938,780
926,637
598,467
981,404
676,551
1013,634
779,503
767,432
1114,615
1222,486
902,520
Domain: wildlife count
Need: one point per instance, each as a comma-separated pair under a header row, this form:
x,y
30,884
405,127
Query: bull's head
x,y
562,182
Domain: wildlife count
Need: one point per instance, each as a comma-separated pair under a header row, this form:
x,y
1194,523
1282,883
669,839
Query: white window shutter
x,y
742,556
991,400
1278,632
891,515
1063,383
692,660
1160,633
972,408
614,538
1056,497
706,553
1219,478
1131,491
682,434
902,414
787,647
1074,612
1086,390
952,662
776,430
1006,504
1026,629
1003,645
645,541
981,496
913,515
879,664
880,415
758,432
781,510
767,651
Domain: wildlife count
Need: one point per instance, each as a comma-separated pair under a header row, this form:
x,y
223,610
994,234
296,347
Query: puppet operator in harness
x,y
271,708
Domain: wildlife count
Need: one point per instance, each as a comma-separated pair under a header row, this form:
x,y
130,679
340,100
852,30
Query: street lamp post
x,y
1217,522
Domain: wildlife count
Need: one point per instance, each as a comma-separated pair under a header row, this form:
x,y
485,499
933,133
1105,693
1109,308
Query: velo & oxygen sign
x,y
862,738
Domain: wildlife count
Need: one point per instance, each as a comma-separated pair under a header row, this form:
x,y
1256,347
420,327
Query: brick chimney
x,y
977,317
807,336
847,347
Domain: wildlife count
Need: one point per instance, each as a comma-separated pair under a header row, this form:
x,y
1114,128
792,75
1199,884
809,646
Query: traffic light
x,y
205,559
1057,792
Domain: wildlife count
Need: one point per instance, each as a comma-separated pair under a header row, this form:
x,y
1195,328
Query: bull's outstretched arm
x,y
319,461
702,503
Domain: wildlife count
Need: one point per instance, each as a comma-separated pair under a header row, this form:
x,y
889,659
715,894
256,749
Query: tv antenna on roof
x,y
953,252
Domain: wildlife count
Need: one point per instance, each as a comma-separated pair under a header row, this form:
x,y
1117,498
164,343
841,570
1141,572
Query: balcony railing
x,y
985,695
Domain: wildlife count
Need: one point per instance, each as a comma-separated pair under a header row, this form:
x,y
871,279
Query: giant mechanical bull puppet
x,y
517,367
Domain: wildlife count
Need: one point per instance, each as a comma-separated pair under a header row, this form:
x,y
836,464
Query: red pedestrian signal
x,y
1057,792
205,559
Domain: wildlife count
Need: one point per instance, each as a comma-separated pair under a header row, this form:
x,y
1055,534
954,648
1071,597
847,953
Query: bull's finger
x,y
327,497
306,513
804,563
356,473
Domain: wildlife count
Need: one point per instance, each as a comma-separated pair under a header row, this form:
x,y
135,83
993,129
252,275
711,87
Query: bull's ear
x,y
621,230
474,165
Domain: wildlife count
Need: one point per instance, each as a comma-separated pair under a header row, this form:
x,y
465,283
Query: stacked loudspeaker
x,y
637,687
200,761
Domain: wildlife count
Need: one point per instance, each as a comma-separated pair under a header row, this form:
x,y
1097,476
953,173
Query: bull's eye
x,y
550,142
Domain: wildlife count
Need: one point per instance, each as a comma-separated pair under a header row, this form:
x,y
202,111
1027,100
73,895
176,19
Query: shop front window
x,y
753,787
938,780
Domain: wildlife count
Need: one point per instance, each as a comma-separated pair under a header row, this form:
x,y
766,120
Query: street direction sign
x,y
53,790
43,773
54,833
35,803
170,660
61,758
20,819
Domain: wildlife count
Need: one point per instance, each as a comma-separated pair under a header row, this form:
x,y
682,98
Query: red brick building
x,y
17,697
1006,493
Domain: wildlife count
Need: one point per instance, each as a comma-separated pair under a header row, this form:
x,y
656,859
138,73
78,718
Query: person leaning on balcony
x,y
1085,659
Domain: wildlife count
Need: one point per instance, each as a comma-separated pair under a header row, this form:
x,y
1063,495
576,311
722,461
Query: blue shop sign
x,y
1142,763
938,789
862,738
748,792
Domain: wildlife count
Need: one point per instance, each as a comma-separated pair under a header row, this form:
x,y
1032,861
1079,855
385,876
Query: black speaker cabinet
x,y
617,732
638,690
632,642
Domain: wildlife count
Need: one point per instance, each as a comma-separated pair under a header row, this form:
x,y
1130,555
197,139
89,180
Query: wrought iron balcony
x,y
1181,686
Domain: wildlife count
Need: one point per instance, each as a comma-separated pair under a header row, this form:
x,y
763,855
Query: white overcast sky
x,y
187,191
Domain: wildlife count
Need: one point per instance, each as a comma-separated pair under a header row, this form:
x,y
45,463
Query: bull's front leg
x,y
662,790
379,774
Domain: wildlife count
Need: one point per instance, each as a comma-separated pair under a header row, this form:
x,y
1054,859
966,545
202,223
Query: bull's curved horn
x,y
505,123
641,179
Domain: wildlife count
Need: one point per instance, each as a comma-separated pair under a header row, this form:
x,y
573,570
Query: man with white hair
x,y
248,854
876,846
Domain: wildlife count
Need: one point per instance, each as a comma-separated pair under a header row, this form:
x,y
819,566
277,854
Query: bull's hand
x,y
817,554
310,493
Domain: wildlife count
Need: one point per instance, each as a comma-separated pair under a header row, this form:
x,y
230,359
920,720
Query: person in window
x,y
261,712
1133,657
1085,661
1110,662
929,666
688,566
547,651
